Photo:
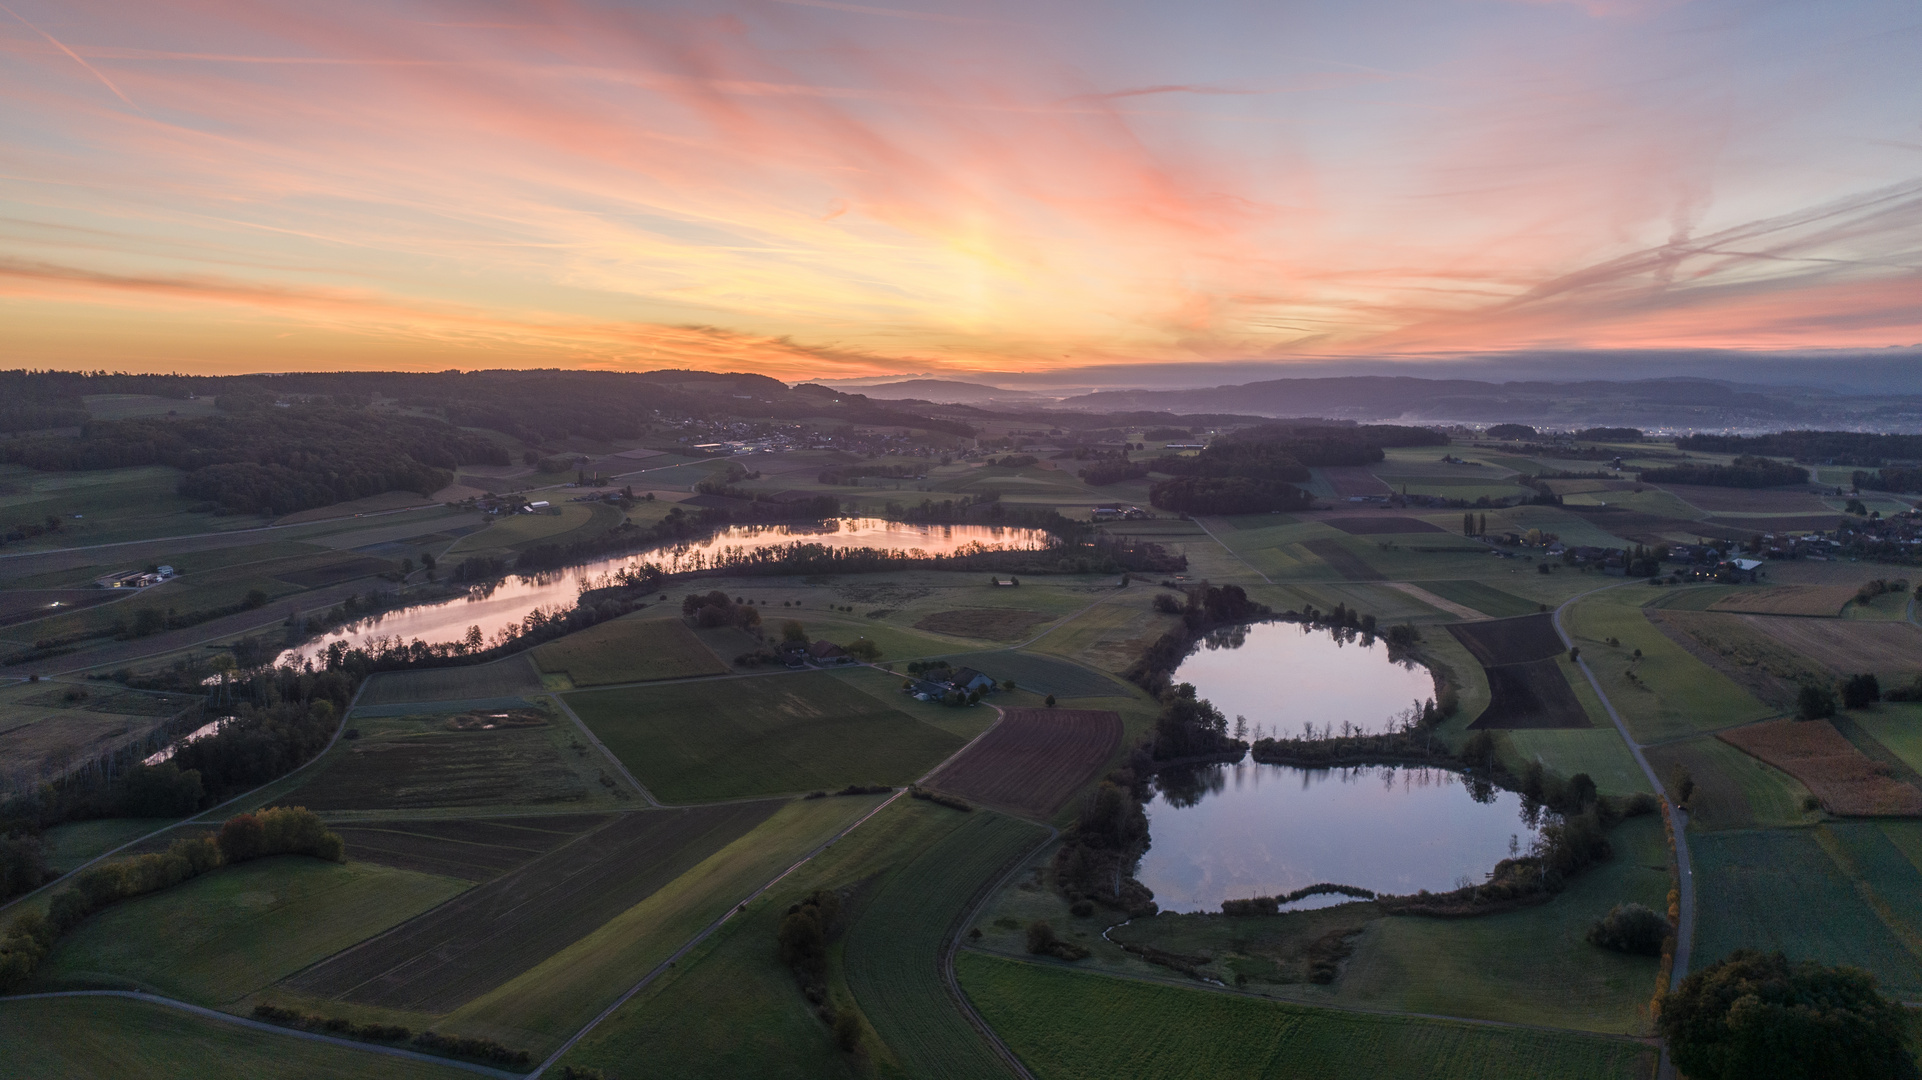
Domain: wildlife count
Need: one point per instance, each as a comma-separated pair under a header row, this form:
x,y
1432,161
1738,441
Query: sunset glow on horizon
x,y
817,189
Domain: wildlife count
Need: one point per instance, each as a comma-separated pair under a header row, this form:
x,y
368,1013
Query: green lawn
x,y
541,1007
1069,1026
1597,751
217,938
629,650
760,735
1783,889
113,1037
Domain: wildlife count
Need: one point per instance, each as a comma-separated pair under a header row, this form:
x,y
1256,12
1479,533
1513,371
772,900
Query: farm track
x,y
709,931
256,1025
1677,818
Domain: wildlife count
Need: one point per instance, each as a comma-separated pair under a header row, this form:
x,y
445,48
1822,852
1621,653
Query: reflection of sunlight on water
x,y
1247,829
195,735
1284,676
493,607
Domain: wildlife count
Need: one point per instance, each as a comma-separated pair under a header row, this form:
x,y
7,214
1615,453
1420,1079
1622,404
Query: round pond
x,y
1282,676
1228,832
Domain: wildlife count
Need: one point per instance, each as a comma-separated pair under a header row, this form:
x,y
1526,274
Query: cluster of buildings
x,y
948,684
135,579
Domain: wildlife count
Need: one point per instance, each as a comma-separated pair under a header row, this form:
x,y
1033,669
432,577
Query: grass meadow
x,y
1785,889
1065,1025
765,735
116,1037
1672,693
543,1006
219,937
629,650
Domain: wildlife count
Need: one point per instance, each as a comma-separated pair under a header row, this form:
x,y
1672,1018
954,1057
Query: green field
x,y
1068,1026
760,735
219,937
1673,694
732,1009
115,1037
1782,889
541,1007
903,926
1732,789
72,844
515,532
629,650
1898,727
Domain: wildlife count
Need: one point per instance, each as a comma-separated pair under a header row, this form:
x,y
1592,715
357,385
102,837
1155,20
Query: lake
x,y
1228,832
494,607
1283,675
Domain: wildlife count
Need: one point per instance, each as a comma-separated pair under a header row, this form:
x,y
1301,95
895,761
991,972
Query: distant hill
x,y
943,392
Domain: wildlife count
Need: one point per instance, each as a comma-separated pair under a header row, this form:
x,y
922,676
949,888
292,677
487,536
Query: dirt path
x,y
1677,818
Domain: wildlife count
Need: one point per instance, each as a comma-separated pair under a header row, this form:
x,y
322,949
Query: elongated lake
x,y
1228,832
1283,676
493,608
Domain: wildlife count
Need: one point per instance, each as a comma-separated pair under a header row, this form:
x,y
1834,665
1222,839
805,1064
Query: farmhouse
x,y
535,507
827,652
940,682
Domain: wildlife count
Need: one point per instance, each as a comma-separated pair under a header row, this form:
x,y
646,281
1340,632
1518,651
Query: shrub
x,y
1815,702
1758,1016
847,1031
1630,928
1860,691
1043,942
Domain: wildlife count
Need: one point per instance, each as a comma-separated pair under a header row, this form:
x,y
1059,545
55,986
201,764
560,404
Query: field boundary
x,y
257,1025
968,915
696,940
606,753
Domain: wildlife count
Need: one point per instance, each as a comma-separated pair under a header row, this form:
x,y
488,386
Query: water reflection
x,y
1285,677
494,607
1232,831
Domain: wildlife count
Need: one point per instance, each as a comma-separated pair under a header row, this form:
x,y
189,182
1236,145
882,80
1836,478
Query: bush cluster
x,y
332,1025
1043,941
281,830
468,1046
935,797
1630,928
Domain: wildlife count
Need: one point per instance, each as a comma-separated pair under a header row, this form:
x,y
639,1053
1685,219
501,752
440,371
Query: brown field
x,y
1774,524
1343,561
1846,780
479,850
1644,528
1530,695
1729,645
494,932
1748,500
1822,601
1033,760
502,767
629,650
1381,526
373,504
1354,480
1519,640
990,624
1847,645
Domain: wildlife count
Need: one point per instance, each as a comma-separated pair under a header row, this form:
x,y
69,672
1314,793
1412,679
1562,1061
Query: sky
x,y
819,189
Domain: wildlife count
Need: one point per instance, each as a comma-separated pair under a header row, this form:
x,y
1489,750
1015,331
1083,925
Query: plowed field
x,y
472,850
1033,760
1845,779
495,931
1509,641
1530,695
1815,600
1845,645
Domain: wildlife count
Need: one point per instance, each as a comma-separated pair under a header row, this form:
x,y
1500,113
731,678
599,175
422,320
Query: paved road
x,y
1677,819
